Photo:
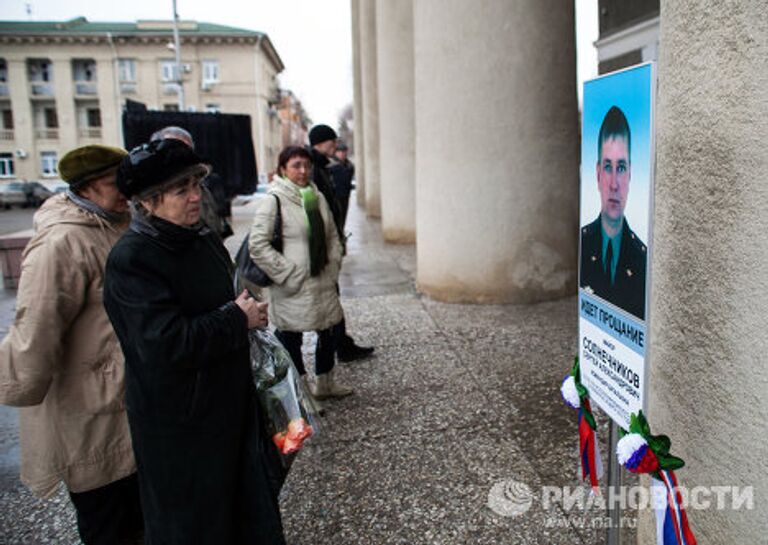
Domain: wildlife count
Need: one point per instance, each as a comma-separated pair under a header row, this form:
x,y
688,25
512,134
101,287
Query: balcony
x,y
47,134
41,89
85,88
90,132
170,88
6,134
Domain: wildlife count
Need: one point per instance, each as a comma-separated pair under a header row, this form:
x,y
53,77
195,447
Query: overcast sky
x,y
313,37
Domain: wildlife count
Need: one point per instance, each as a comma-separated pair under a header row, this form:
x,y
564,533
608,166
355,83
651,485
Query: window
x,y
210,72
126,70
93,117
213,108
84,70
51,120
168,71
3,71
40,70
6,165
49,162
7,118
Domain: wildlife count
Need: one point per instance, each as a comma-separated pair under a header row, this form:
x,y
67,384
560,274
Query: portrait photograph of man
x,y
614,257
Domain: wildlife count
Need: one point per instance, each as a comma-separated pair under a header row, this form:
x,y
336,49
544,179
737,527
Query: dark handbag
x,y
249,270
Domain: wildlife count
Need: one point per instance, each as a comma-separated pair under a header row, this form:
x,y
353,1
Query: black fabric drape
x,y
224,140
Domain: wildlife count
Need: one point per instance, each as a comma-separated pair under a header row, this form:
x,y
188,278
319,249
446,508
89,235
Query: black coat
x,y
322,179
628,289
169,295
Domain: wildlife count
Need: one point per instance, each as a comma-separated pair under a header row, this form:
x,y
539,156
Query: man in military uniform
x,y
613,258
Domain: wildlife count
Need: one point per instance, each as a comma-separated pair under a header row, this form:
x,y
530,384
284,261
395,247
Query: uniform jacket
x,y
61,361
169,295
628,289
298,301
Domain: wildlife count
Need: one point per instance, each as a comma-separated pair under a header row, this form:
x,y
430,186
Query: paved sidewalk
x,y
460,403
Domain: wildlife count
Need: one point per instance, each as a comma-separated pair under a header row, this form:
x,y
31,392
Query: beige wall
x,y
246,77
709,371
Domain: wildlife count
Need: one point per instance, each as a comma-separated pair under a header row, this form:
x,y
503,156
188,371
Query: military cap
x,y
81,165
342,146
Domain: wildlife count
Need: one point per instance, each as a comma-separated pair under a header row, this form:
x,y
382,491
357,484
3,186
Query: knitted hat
x,y
89,162
321,133
342,146
156,164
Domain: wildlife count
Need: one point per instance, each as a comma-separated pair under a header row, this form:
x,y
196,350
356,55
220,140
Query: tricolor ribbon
x,y
671,521
641,452
577,397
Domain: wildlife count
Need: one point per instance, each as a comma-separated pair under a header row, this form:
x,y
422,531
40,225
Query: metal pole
x,y
614,484
177,49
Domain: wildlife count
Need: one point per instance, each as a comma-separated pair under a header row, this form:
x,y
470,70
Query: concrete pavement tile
x,y
389,319
409,489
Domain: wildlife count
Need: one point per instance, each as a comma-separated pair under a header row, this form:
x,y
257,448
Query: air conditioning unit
x,y
21,154
205,86
186,68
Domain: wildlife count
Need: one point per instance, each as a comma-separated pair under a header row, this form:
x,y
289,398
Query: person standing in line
x,y
303,296
342,173
216,206
322,141
61,361
169,294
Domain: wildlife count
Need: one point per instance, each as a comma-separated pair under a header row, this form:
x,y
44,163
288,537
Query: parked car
x,y
11,194
37,193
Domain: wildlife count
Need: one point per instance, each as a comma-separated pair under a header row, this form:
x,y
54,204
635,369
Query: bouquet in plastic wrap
x,y
289,411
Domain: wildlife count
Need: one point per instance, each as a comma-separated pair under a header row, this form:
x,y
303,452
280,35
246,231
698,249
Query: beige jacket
x,y
297,301
61,361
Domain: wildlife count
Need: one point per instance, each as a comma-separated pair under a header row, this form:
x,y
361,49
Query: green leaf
x,y
664,444
670,462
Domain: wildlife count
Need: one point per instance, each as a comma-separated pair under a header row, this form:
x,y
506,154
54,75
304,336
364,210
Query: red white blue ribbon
x,y
634,453
671,521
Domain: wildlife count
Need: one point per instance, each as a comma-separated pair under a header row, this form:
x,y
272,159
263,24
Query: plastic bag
x,y
288,410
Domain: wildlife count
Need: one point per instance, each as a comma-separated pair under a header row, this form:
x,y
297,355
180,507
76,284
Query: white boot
x,y
314,405
327,386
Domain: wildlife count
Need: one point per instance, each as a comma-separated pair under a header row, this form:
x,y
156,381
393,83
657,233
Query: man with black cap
x,y
322,141
61,361
342,173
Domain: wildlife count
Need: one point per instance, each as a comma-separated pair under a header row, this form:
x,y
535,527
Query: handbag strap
x,y
277,231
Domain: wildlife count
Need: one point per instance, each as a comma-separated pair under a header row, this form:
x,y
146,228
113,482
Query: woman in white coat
x,y
303,296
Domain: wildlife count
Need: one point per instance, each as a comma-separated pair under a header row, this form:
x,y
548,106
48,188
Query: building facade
x,y
64,84
294,120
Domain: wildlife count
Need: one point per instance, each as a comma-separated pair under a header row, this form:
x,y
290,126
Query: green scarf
x,y
318,253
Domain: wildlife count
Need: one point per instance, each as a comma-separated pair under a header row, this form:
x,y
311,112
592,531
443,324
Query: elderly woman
x,y
169,294
303,296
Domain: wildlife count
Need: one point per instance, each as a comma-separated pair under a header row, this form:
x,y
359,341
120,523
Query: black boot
x,y
351,352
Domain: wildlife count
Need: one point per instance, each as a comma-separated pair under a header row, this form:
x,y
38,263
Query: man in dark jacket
x,y
322,141
342,173
613,258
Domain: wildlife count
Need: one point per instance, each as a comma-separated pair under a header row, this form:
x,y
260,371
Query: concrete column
x,y
359,154
394,45
709,372
496,149
368,69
